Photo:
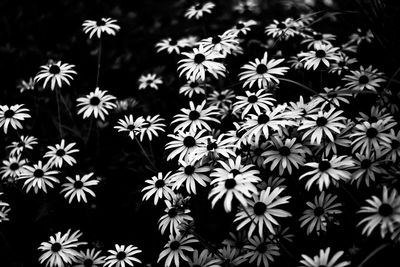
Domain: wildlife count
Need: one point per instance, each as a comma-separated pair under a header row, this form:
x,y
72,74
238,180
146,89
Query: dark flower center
x,y
130,127
8,114
221,97
262,119
14,166
385,210
318,37
38,173
56,247
172,212
281,25
159,183
365,163
234,172
189,170
189,141
60,152
321,121
174,245
94,101
173,42
100,22
212,146
78,184
372,132
88,263
258,151
54,69
239,26
199,58
21,144
262,248
261,69
395,144
259,208
197,6
121,255
372,119
320,53
194,115
324,165
318,211
216,40
341,63
230,183
363,79
284,151
252,99
193,84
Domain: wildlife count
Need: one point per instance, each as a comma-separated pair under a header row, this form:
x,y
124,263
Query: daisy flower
x,y
383,213
78,187
360,36
149,80
198,10
261,251
97,27
243,27
171,46
172,218
282,30
317,38
237,239
97,103
342,65
367,137
38,177
128,124
221,98
203,259
89,258
56,73
28,85
196,63
323,259
193,87
392,151
285,153
230,256
59,153
25,143
195,117
60,250
122,256
257,102
184,143
368,79
12,167
327,171
12,116
262,211
151,126
175,249
366,169
262,71
256,153
321,125
159,187
222,43
4,211
325,54
192,175
320,212
332,97
233,179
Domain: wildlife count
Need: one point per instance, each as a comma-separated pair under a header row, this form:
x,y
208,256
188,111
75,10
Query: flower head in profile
x,y
4,213
25,143
122,255
200,61
60,250
96,103
262,71
132,126
150,80
176,248
13,116
382,212
159,188
282,29
198,10
61,153
316,38
56,74
225,43
76,188
193,87
100,26
28,85
324,259
172,46
38,177
152,126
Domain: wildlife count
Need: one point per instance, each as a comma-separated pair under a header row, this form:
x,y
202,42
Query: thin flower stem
x,y
89,131
98,63
154,168
59,113
373,253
